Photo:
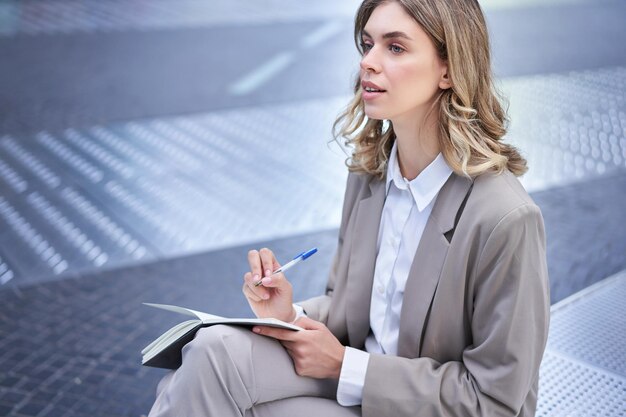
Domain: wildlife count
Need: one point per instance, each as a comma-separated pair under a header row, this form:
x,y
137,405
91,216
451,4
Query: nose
x,y
369,62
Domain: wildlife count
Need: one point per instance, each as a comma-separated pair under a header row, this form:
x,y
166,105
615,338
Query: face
x,y
399,59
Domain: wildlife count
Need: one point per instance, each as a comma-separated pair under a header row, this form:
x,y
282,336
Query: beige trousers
x,y
231,371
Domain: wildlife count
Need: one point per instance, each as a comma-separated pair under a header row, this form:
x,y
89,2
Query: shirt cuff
x,y
299,312
352,377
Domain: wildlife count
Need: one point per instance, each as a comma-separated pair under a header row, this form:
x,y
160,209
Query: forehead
x,y
391,17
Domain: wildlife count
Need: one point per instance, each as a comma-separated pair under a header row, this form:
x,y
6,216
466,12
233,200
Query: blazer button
x,y
381,289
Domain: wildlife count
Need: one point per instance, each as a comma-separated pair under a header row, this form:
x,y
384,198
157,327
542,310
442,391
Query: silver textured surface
x,y
34,17
569,388
64,16
592,327
31,237
6,274
583,372
569,126
107,194
119,193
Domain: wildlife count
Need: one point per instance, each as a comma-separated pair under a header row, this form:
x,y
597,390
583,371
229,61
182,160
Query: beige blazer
x,y
476,305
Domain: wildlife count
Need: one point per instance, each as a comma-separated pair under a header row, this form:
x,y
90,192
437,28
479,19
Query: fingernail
x,y
256,330
255,277
266,280
267,272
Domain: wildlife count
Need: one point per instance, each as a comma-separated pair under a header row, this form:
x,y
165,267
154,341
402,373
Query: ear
x,y
445,82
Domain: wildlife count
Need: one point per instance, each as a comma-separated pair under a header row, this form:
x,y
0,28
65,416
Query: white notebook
x,y
165,351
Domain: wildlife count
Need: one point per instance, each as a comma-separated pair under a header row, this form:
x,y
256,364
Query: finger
x,y
256,268
275,281
309,324
267,261
249,294
252,280
260,292
280,334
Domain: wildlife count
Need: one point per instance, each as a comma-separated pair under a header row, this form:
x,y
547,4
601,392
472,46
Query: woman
x,y
437,301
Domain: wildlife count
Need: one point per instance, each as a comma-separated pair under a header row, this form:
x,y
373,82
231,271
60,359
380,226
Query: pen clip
x,y
307,253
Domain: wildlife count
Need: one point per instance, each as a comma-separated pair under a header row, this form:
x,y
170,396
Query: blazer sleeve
x,y
509,328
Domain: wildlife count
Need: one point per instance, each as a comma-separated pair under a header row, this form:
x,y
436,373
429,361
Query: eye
x,y
396,49
366,46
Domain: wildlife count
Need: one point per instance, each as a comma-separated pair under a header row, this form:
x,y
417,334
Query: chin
x,y
374,114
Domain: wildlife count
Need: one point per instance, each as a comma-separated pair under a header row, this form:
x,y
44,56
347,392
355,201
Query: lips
x,y
369,86
371,91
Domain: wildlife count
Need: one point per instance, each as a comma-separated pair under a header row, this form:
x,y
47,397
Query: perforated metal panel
x,y
6,274
569,126
568,388
63,16
583,372
87,198
592,327
104,195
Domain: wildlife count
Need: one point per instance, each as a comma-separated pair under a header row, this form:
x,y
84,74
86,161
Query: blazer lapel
x,y
362,262
428,263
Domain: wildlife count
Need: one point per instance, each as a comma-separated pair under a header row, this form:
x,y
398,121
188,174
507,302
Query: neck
x,y
418,145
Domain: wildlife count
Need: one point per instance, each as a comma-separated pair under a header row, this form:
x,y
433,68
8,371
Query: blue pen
x,y
291,263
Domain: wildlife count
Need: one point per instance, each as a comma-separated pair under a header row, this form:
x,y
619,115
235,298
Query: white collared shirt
x,y
407,208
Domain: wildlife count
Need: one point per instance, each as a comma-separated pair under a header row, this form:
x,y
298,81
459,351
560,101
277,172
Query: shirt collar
x,y
425,187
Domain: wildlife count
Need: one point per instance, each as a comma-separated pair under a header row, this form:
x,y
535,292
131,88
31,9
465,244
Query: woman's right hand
x,y
274,297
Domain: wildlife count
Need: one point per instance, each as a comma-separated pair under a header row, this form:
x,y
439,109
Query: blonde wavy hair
x,y
471,119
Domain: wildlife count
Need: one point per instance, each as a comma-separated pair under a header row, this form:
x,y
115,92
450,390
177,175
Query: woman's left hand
x,y
315,351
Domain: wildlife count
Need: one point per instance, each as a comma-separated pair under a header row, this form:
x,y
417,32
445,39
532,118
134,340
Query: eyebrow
x,y
390,35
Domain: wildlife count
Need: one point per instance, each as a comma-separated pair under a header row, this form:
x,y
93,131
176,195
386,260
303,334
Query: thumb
x,y
275,281
309,324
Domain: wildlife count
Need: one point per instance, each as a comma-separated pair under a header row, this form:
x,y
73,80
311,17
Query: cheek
x,y
415,81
